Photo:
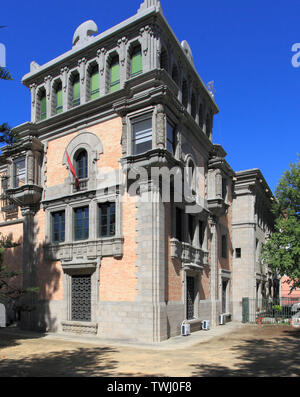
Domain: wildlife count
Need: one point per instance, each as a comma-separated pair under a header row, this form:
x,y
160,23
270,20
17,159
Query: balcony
x,y
188,254
83,185
89,250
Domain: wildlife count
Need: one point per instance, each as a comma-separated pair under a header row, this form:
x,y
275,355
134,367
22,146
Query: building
x,y
129,217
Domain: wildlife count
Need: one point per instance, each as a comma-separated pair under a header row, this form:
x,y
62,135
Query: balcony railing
x,y
188,253
83,185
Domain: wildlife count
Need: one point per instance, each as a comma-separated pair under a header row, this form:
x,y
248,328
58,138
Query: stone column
x,y
213,269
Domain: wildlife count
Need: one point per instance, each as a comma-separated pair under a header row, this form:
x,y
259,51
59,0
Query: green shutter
x,y
136,63
76,92
115,77
95,85
43,108
59,105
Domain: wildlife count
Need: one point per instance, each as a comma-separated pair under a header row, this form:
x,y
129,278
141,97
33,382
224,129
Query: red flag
x,y
72,170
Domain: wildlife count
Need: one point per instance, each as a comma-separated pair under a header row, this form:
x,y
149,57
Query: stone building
x,y
129,218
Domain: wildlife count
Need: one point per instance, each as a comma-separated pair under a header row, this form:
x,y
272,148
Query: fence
x,y
269,311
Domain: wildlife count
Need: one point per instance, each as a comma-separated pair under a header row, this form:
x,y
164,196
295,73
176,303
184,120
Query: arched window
x,y
75,83
208,126
201,116
94,82
114,74
81,164
184,93
191,176
136,66
175,74
193,106
58,98
43,105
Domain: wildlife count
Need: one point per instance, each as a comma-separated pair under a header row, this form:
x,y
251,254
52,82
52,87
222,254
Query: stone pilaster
x,y
213,269
29,273
151,261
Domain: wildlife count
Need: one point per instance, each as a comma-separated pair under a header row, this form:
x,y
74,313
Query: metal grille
x,y
81,298
190,297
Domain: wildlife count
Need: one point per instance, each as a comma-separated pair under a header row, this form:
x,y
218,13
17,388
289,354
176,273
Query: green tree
x,y
10,279
282,250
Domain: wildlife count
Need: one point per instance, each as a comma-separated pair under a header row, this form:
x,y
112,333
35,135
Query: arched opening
x,y
193,105
81,167
75,90
42,104
184,93
175,74
164,61
114,74
58,100
94,82
136,61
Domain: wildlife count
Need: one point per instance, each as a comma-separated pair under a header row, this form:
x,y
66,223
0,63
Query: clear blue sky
x,y
244,46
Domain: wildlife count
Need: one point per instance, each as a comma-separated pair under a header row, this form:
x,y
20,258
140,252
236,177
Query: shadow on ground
x,y
279,357
78,362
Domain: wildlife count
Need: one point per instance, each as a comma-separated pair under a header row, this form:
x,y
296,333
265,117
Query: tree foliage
x,y
4,74
282,250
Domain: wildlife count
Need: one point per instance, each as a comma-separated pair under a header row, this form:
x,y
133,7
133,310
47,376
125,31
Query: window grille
x,y
81,298
190,297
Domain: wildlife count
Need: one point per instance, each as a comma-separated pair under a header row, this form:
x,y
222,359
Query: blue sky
x,y
244,46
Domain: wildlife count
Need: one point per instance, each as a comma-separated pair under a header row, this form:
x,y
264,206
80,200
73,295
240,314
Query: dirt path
x,y
248,351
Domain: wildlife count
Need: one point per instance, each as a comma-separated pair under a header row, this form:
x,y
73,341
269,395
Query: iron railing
x,y
269,311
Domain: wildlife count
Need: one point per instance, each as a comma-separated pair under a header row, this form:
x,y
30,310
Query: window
x,y
58,226
142,136
238,253
184,93
208,126
170,138
175,74
81,298
81,223
107,219
201,116
190,297
115,75
191,228
81,164
179,224
224,246
6,204
136,62
201,233
224,188
94,81
193,106
43,106
164,60
58,99
76,91
19,172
